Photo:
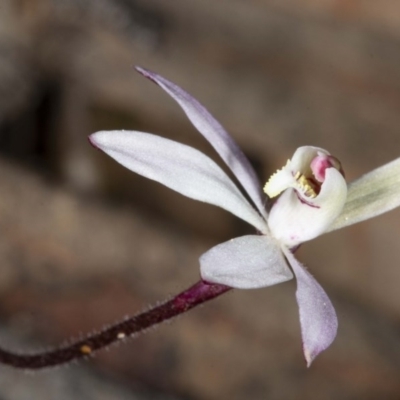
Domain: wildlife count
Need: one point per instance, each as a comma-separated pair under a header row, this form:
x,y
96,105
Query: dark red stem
x,y
188,299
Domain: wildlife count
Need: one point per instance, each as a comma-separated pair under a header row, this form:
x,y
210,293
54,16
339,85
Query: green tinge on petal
x,y
373,194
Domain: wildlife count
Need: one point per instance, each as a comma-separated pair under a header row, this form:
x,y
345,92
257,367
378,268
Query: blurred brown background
x,y
85,242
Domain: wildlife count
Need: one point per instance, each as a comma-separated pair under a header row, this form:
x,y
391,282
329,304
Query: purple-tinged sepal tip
x,y
318,318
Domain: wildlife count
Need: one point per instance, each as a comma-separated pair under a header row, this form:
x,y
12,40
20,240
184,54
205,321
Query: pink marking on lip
x,y
320,163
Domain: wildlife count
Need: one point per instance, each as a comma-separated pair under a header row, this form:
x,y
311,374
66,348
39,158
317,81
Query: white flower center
x,y
307,180
312,192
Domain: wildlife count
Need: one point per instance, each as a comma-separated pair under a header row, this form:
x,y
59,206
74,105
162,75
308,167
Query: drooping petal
x,y
218,137
247,262
178,167
293,220
318,318
373,194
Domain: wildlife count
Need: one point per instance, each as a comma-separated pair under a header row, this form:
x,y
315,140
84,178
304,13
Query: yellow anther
x,y
85,349
304,185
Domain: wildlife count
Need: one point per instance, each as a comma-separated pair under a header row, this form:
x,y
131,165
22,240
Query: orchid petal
x,y
371,195
247,262
294,221
318,318
218,137
178,167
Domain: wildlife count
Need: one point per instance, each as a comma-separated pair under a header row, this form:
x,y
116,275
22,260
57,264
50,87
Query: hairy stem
x,y
192,297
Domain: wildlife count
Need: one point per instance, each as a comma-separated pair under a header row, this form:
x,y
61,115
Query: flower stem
x,y
197,294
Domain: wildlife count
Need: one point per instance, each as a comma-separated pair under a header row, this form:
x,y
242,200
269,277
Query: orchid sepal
x,y
217,136
318,320
179,167
371,195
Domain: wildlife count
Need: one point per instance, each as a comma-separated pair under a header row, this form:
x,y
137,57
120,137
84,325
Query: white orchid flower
x,y
313,199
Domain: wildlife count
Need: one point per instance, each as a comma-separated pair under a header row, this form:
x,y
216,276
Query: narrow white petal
x,y
293,221
178,167
318,318
247,262
373,194
218,137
